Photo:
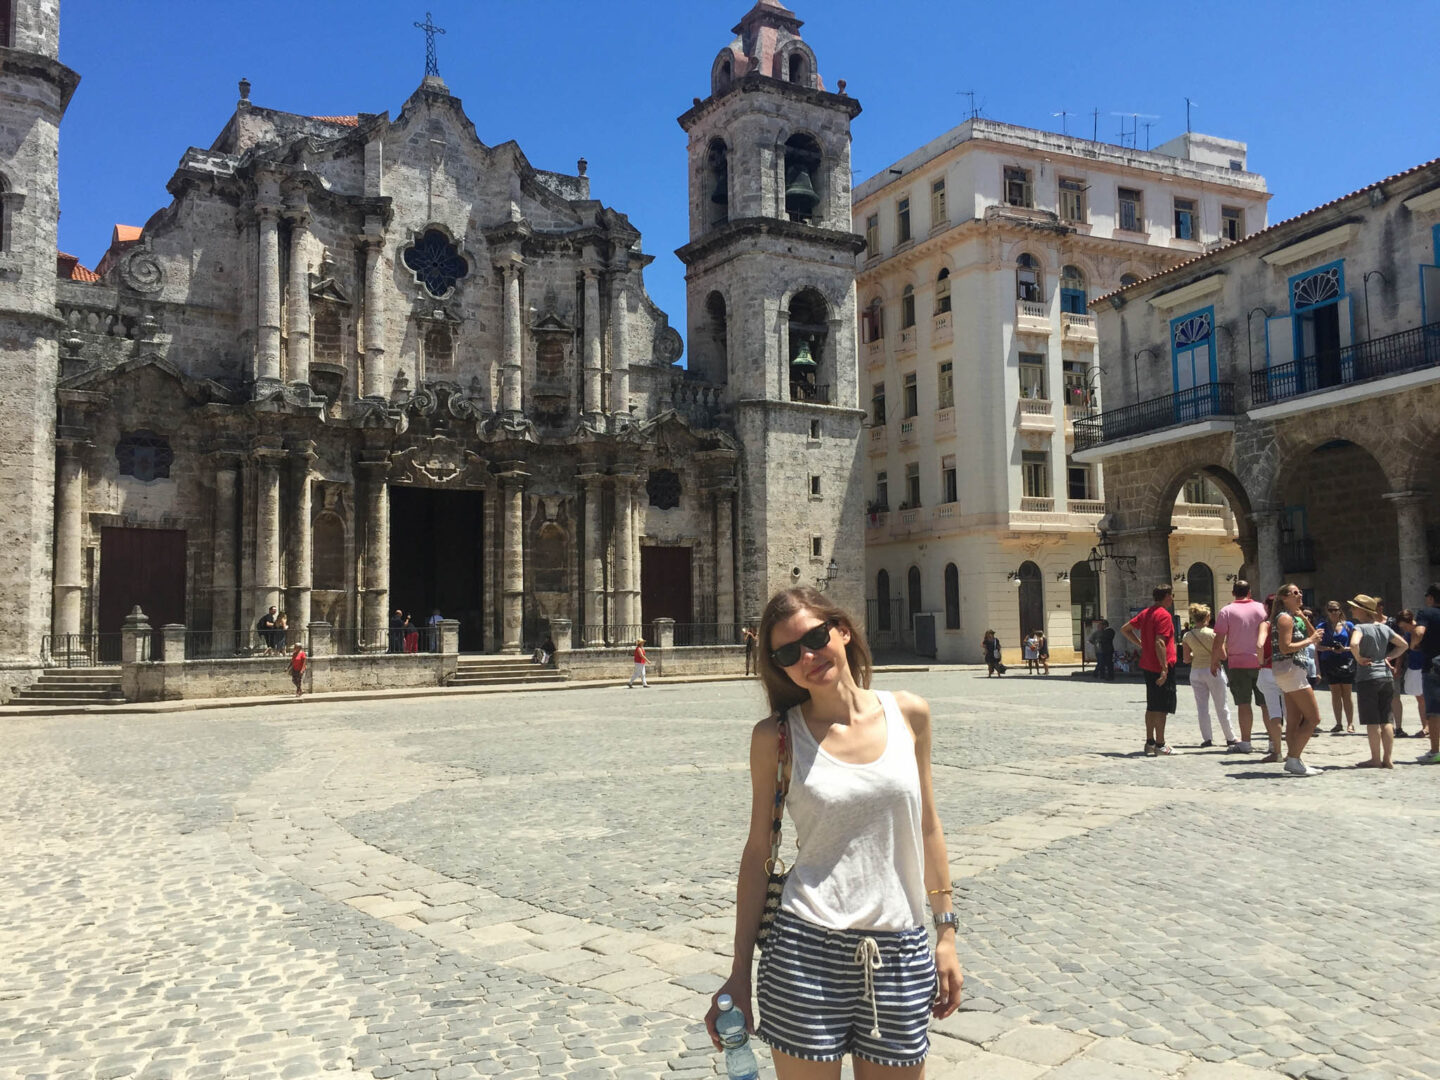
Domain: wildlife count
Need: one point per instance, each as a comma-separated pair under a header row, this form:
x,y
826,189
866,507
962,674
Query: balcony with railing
x,y
1085,506
1208,402
1077,327
906,341
943,329
1394,354
878,444
812,395
945,420
907,431
875,353
1035,414
1032,317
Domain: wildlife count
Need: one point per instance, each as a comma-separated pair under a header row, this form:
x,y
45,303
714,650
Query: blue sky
x,y
1330,96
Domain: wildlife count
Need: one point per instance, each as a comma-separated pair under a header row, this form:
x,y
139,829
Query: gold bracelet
x,y
948,890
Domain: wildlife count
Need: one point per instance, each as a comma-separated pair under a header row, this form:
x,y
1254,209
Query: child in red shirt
x,y
297,666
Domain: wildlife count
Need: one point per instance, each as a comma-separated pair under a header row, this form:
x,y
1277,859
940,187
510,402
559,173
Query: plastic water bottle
x,y
740,1063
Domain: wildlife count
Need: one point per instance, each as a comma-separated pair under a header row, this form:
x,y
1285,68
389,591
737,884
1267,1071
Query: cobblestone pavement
x,y
540,885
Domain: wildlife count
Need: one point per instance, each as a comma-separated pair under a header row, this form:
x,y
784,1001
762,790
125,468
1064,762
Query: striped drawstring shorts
x,y
827,993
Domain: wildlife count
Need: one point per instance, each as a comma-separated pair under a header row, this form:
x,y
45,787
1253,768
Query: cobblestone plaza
x,y
541,885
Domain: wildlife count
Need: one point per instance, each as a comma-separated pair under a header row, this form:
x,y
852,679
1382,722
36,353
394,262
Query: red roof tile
x,y
125,233
68,267
1271,228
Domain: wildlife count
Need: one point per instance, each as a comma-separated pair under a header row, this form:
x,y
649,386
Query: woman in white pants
x,y
1207,688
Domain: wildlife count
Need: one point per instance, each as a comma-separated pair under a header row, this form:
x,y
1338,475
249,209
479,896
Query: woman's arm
x,y
1186,654
937,862
1284,631
1355,639
753,876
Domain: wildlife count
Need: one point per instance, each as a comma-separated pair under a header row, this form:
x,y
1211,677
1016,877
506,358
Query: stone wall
x,y
618,663
248,677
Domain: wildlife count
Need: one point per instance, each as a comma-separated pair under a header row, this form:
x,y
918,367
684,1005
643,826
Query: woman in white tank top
x,y
847,967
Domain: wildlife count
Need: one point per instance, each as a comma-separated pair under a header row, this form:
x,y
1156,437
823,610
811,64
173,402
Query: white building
x,y
983,249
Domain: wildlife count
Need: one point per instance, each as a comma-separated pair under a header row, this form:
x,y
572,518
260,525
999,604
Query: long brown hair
x,y
779,687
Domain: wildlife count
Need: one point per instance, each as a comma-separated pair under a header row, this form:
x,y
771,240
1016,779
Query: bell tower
x,y
37,92
771,299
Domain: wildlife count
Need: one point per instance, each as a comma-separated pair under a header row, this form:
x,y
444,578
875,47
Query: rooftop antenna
x,y
1148,124
432,64
1095,125
974,112
1064,120
1135,118
1188,106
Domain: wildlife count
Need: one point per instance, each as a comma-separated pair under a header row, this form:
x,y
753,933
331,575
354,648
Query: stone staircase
x,y
493,670
61,688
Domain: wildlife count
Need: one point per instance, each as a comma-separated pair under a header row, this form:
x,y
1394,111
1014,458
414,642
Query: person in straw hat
x,y
1374,645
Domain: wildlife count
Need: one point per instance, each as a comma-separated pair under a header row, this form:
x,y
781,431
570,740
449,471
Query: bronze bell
x,y
721,194
803,359
801,196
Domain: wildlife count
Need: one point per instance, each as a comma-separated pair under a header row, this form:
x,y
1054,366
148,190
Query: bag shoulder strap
x,y
782,788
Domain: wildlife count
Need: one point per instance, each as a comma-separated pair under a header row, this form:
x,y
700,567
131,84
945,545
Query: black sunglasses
x,y
815,638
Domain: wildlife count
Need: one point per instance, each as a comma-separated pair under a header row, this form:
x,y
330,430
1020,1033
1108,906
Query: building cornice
x,y
754,82
744,228
17,62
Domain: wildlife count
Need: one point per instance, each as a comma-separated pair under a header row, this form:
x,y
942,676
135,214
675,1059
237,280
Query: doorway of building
x,y
437,557
666,589
1084,603
1032,599
144,567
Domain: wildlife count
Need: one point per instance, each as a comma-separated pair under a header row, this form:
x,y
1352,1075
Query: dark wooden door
x,y
665,584
144,567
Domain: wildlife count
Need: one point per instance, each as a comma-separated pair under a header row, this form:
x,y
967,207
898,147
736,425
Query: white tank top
x,y
861,860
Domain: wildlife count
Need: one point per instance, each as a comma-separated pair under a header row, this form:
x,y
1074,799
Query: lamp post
x,y
1135,364
1365,284
1250,345
831,573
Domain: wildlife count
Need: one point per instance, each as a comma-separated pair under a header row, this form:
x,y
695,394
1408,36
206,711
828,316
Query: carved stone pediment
x,y
438,462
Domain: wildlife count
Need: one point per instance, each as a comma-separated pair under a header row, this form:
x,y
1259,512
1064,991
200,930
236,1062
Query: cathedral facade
x,y
364,363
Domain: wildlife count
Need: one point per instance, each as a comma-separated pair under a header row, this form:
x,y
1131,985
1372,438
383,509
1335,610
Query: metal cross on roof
x,y
432,65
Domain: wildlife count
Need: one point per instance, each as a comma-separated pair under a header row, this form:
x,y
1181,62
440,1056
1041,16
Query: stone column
x,y
375,586
69,583
512,572
267,329
593,596
267,527
449,644
297,349
297,603
560,634
1269,569
1414,553
593,408
623,612
321,642
619,352
224,540
724,556
510,372
375,317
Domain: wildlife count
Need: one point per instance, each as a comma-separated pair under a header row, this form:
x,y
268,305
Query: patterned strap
x,y
782,787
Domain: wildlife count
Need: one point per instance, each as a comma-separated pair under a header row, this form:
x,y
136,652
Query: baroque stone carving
x,y
438,462
141,271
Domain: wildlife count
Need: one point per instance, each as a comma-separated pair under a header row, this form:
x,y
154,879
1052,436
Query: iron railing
x,y
1394,354
707,634
614,635
1172,410
815,395
81,650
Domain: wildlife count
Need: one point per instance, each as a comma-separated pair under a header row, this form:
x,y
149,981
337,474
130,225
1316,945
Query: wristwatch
x,y
947,918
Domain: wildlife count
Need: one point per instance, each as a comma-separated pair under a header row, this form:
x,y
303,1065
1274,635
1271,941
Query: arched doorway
x,y
1032,598
1084,602
1200,580
912,594
882,601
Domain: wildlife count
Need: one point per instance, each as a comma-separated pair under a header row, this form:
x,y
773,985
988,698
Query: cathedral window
x,y
144,455
713,348
439,351
663,487
436,262
719,172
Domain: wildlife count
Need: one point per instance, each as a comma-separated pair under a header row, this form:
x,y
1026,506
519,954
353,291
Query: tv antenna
x,y
974,110
1188,106
1134,118
1064,120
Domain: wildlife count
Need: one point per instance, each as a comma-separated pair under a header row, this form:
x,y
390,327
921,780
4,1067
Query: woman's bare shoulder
x,y
915,709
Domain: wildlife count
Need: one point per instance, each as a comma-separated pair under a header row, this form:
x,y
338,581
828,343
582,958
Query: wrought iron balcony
x,y
816,395
1394,354
1173,410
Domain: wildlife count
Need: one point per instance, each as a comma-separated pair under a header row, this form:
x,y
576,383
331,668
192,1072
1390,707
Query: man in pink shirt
x,y
1153,633
1237,645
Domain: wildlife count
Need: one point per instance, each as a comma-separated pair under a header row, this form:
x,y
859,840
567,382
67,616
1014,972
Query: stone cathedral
x,y
361,363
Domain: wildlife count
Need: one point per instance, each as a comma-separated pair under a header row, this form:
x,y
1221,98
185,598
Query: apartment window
x,y
1035,473
1072,200
1132,210
1232,223
948,486
882,493
1079,482
907,307
952,597
912,484
912,396
945,398
814,430
1187,223
814,485
938,214
1029,280
872,236
1072,290
1077,383
817,547
1018,191
942,292
1032,376
902,221
877,405
872,321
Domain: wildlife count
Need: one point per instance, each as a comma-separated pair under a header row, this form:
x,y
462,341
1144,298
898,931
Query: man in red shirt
x,y
1153,633
297,667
